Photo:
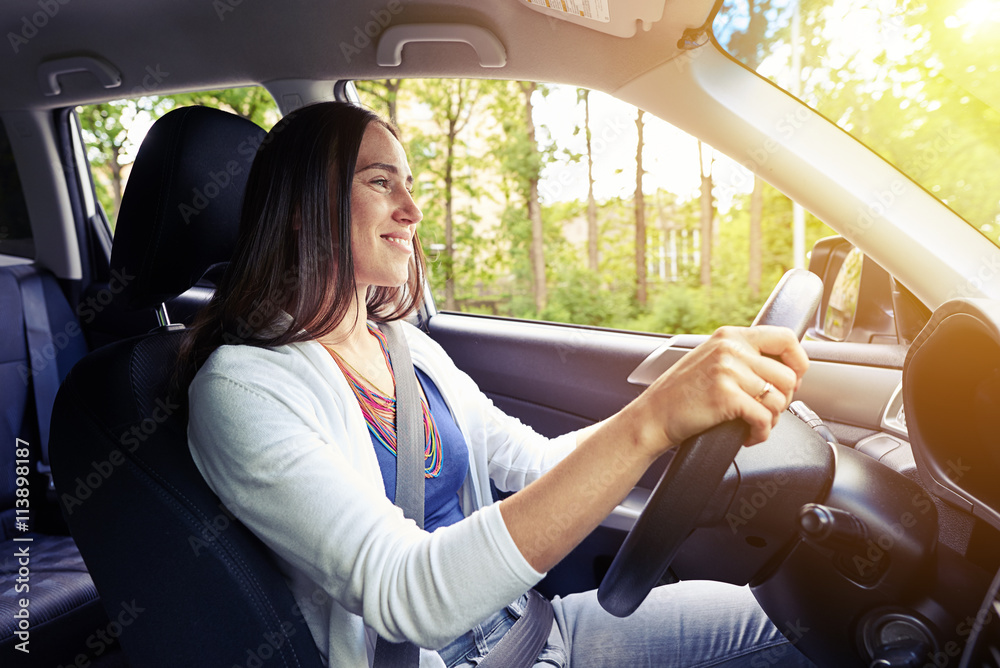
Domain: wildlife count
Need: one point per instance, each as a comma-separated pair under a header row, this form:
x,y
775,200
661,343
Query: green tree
x,y
382,95
252,102
750,45
110,146
442,154
532,176
593,254
707,202
519,159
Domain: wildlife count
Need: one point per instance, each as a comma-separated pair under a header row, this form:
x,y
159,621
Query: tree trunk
x,y
593,259
535,210
449,231
391,92
640,221
756,236
707,214
116,180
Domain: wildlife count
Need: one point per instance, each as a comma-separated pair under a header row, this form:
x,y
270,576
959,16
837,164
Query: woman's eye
x,y
381,182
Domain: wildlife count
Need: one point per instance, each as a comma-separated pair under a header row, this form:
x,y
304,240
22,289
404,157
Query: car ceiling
x,y
208,44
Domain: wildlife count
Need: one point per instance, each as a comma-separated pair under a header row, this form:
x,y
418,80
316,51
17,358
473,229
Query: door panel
x,y
847,383
554,377
560,377
557,378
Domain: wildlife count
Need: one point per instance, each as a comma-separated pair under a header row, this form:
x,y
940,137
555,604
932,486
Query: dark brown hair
x,y
293,253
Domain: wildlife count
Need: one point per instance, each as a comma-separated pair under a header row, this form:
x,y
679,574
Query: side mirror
x,y
861,301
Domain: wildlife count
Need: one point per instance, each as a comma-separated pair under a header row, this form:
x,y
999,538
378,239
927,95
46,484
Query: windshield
x,y
917,82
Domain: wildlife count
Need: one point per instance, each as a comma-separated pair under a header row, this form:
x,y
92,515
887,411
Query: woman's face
x,y
384,216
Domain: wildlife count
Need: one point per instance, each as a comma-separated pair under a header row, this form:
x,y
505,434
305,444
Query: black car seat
x,y
199,588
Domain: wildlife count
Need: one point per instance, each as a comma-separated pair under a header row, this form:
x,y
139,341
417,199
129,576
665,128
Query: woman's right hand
x,y
722,379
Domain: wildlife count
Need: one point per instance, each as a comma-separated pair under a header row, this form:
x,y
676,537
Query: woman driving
x,y
292,423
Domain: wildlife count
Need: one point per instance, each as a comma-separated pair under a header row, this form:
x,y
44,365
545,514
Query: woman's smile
x,y
400,240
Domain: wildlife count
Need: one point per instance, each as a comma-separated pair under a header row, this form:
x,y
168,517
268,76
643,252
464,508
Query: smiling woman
x,y
384,216
278,254
298,419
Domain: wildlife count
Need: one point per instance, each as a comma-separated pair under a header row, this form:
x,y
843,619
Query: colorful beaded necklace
x,y
380,410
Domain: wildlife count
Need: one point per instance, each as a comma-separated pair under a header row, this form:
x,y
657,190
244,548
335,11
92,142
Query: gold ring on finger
x,y
763,392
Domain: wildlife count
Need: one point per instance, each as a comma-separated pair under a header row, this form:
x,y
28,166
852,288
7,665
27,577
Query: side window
x,y
557,203
15,227
114,130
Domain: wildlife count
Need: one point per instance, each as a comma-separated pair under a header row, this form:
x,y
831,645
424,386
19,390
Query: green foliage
x,y
913,80
111,147
253,103
476,132
576,296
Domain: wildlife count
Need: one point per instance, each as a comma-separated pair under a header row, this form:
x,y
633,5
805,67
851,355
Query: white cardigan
x,y
280,438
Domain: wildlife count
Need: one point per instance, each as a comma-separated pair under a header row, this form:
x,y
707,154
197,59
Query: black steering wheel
x,y
696,470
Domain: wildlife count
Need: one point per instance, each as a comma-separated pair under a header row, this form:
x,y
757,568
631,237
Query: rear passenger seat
x,y
65,617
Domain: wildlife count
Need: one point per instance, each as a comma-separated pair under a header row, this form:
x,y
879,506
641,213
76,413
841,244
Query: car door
x,y
557,378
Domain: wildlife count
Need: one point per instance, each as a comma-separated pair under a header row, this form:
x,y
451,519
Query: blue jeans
x,y
694,624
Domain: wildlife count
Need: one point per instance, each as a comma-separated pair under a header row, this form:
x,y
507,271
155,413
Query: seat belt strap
x,y
42,365
410,437
522,643
410,440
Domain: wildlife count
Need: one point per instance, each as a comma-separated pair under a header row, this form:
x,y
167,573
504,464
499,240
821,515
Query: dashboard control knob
x,y
831,527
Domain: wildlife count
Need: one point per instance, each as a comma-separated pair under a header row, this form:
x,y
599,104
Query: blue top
x,y
441,505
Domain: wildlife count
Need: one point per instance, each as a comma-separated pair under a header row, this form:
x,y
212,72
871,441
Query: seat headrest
x,y
180,211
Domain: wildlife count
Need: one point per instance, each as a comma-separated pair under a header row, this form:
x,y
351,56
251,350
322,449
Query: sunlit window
x,y
917,82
